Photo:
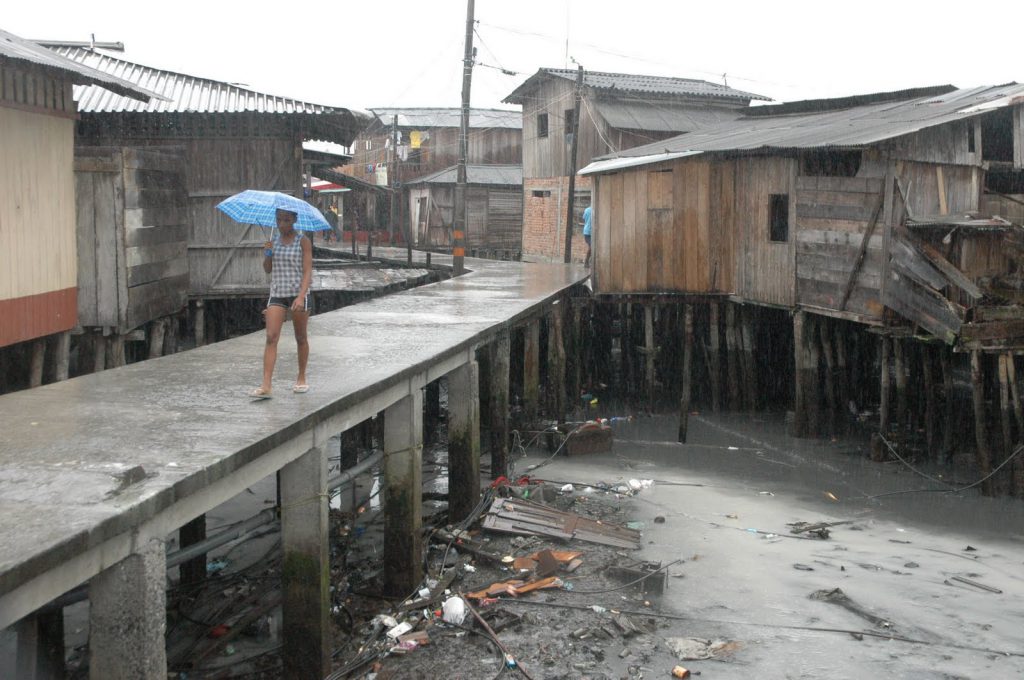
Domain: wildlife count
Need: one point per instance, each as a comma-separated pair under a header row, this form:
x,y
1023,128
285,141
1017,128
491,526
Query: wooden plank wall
x,y
766,269
505,218
937,189
549,156
722,236
947,144
832,215
99,198
37,203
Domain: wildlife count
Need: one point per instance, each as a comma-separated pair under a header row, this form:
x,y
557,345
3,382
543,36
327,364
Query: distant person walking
x,y
288,258
588,220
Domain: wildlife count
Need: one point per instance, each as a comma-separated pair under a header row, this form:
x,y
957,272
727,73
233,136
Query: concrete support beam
x,y
499,356
127,616
305,570
531,370
41,646
403,494
463,440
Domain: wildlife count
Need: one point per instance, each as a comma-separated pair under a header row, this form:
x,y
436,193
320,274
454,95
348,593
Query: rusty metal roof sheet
x,y
628,83
852,127
495,175
13,48
424,118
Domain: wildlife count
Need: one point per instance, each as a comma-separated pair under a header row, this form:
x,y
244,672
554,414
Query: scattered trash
x,y
680,672
838,597
454,610
636,526
650,577
969,582
567,488
695,649
831,496
515,516
399,630
219,631
819,529
970,548
803,567
732,515
660,519
213,566
765,493
911,565
598,608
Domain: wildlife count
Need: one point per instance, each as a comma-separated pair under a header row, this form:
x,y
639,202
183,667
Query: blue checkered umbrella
x,y
259,207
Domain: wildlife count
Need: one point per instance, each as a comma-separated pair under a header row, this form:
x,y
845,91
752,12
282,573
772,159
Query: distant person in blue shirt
x,y
588,218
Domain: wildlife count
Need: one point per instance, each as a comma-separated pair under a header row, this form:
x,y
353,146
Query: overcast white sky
x,y
408,53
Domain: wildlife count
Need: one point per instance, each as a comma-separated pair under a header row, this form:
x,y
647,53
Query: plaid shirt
x,y
286,276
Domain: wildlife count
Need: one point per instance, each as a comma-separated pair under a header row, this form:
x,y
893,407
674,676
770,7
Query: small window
x,y
778,218
570,120
541,194
542,125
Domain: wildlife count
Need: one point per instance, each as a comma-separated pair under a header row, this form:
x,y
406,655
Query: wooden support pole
x,y
115,350
171,336
684,400
982,453
1005,409
556,362
885,398
733,357
650,355
499,352
36,361
463,440
531,370
813,376
199,322
949,426
900,366
61,355
156,338
1017,466
841,373
749,357
576,357
194,570
825,331
928,372
800,425
625,349
715,365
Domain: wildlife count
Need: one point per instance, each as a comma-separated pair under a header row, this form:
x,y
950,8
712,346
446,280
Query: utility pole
x,y
572,164
459,223
393,179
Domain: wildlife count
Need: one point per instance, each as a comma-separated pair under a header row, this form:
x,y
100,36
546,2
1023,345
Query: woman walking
x,y
289,261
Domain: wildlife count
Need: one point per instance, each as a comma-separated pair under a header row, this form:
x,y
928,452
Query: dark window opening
x,y
831,163
997,136
970,138
778,217
570,122
541,194
542,125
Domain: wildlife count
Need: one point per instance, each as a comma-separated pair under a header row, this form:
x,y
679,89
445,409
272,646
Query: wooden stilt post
x,y
61,355
749,357
980,427
499,349
577,355
171,336
715,365
929,400
531,370
156,338
948,421
556,362
1017,466
813,350
841,376
684,401
1005,411
625,349
884,400
733,357
900,365
115,350
800,425
35,367
199,322
650,354
99,352
834,417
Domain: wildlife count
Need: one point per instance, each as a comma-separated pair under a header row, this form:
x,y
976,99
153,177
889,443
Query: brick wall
x,y
544,219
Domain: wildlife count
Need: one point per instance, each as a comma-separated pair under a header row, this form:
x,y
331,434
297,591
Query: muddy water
x,y
896,558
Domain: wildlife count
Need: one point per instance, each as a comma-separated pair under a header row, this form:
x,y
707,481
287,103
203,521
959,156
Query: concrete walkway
x,y
92,466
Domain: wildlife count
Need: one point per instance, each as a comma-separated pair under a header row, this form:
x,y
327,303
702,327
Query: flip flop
x,y
300,389
260,394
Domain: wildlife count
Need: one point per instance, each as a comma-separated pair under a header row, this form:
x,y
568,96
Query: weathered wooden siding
x,y
132,234
832,216
37,212
947,144
722,237
767,269
492,146
549,156
935,189
494,215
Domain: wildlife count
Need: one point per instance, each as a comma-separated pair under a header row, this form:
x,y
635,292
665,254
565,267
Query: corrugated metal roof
x,y
184,93
638,84
661,116
853,127
18,49
505,175
423,118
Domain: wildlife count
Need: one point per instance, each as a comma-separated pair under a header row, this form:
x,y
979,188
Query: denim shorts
x,y
286,302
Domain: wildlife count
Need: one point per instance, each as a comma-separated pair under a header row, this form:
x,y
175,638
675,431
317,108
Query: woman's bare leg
x,y
300,322
275,319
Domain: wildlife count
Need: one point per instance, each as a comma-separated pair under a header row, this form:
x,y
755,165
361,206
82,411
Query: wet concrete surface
x,y
726,498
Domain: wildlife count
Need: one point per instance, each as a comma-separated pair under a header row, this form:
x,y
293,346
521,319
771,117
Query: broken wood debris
x,y
649,576
819,529
515,516
969,582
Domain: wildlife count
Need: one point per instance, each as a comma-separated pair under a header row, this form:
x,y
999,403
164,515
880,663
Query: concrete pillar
x,y
403,495
127,617
40,654
463,440
531,370
556,363
306,569
499,351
